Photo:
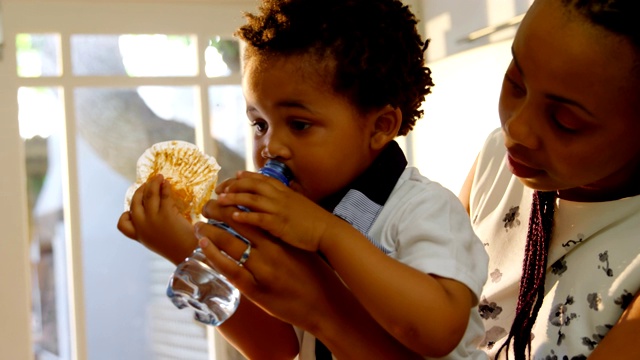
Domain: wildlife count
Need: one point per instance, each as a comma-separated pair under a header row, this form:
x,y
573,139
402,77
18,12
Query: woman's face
x,y
569,107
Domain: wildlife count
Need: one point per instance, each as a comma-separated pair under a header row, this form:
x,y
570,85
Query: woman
x,y
568,150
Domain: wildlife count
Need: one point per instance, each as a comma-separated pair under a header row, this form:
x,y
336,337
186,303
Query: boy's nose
x,y
275,148
265,153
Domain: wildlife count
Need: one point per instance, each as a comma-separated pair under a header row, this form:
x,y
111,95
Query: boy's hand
x,y
275,208
155,221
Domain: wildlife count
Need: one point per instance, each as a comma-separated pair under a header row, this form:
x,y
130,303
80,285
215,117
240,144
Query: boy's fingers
x,y
151,197
165,189
126,226
136,208
165,200
223,186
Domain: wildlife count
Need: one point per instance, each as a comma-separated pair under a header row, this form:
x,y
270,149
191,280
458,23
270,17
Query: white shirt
x,y
425,226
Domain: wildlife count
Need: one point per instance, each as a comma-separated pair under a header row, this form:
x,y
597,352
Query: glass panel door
x,y
89,104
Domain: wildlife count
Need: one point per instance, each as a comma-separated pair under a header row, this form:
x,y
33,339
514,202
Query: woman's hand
x,y
281,279
295,286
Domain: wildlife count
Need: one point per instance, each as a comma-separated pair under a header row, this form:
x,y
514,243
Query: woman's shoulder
x,y
493,146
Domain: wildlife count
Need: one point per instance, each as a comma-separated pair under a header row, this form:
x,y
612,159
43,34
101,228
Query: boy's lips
x,y
293,185
520,169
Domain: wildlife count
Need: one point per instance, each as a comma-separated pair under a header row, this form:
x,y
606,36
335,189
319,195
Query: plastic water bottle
x,y
196,284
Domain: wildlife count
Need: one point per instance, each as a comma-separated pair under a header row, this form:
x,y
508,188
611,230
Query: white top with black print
x,y
593,265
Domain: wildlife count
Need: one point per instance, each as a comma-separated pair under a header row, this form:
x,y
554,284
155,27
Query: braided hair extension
x,y
534,269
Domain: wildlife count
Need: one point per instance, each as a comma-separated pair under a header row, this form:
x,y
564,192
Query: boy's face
x,y
298,119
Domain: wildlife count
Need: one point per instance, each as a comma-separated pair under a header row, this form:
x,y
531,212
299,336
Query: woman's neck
x,y
586,194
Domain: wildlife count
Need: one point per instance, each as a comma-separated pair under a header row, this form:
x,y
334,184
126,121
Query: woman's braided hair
x,y
534,269
374,46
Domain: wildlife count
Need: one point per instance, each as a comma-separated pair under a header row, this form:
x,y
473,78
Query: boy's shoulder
x,y
415,191
413,182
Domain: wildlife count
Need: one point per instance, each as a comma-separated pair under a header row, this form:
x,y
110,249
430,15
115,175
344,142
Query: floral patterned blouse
x,y
593,265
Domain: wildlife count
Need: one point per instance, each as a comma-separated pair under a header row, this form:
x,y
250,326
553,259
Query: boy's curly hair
x,y
377,52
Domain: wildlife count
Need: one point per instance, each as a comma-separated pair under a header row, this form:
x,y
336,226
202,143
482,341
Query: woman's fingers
x,y
227,242
240,276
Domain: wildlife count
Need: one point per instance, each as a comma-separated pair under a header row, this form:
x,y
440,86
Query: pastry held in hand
x,y
192,174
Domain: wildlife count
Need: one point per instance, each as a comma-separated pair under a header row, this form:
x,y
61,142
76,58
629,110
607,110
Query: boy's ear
x,y
387,125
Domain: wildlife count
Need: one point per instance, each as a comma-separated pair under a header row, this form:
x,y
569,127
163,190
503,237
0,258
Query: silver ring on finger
x,y
245,255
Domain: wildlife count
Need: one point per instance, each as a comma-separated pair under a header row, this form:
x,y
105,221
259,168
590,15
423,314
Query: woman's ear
x,y
387,125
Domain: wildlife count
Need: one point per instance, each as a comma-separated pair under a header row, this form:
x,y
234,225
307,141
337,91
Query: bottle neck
x,y
276,170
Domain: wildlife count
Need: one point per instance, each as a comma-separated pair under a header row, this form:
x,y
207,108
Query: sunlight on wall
x,y
460,112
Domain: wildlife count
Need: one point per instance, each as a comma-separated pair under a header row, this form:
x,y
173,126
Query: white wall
x,y
462,108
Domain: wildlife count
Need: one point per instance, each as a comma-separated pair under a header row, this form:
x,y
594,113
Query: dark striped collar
x,y
362,201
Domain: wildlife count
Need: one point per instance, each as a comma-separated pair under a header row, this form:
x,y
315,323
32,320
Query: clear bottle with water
x,y
197,285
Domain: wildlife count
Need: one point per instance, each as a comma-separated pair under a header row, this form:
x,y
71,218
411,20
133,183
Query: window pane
x,y
134,55
222,57
127,310
40,114
38,55
228,116
127,313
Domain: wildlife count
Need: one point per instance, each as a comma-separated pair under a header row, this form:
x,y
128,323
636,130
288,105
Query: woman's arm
x,y
621,343
258,335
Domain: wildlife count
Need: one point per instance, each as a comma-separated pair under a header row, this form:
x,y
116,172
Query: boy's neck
x,y
377,180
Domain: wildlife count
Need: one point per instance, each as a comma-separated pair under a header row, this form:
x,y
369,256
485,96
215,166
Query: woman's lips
x,y
521,170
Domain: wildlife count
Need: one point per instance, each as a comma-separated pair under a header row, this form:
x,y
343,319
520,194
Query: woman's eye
x,y
561,126
514,85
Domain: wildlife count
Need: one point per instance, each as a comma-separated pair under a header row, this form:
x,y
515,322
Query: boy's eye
x,y
260,126
299,125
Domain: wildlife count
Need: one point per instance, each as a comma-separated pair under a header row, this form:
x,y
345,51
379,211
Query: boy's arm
x,y
427,313
155,222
